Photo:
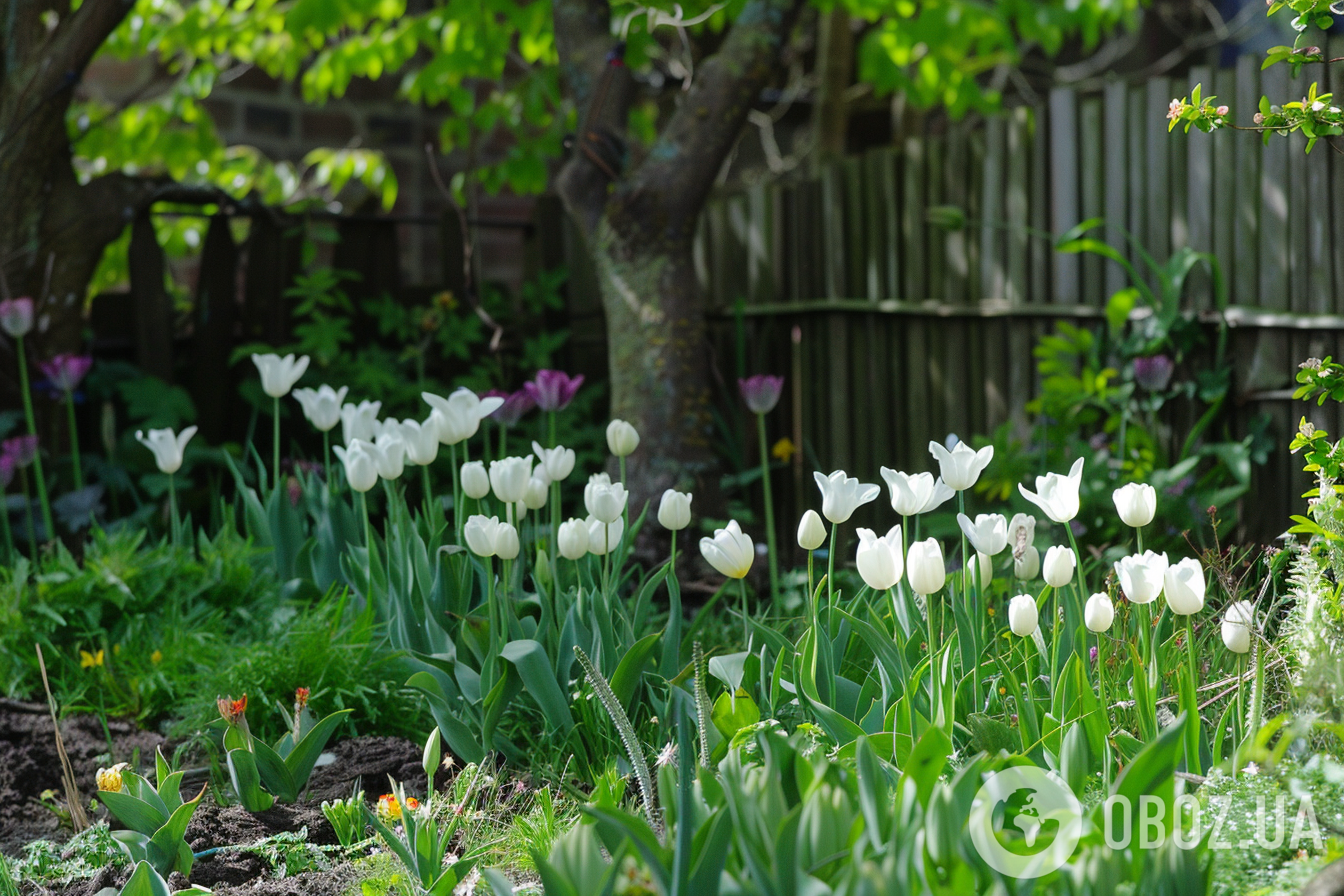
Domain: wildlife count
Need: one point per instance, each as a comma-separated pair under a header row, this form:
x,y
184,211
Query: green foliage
x,y
346,817
46,862
282,769
156,818
421,842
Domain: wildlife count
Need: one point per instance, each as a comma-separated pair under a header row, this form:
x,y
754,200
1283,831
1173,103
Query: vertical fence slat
x,y
956,194
153,311
1199,193
993,271
935,235
212,388
1041,252
1157,198
1064,204
1115,171
1091,192
1015,204
912,219
1136,166
1225,181
1246,230
1273,233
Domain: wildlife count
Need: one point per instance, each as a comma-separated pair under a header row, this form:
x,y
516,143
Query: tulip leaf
x,y
303,756
732,713
145,881
1152,771
464,743
621,825
136,814
630,670
165,847
274,774
247,782
927,761
534,668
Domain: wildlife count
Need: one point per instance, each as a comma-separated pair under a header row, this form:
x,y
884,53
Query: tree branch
x,y
684,161
77,36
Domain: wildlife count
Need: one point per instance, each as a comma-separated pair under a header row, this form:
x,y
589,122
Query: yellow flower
x,y
109,779
156,657
389,810
783,450
89,660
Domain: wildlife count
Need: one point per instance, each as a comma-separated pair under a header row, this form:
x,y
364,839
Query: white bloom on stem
x,y
1183,586
1099,612
811,531
1136,503
1142,576
509,476
622,438
879,558
534,498
1021,531
730,551
361,465
389,454
1028,566
572,539
1023,617
507,545
422,441
961,466
604,537
168,448
913,495
481,533
986,568
988,534
605,499
558,462
360,421
278,375
841,495
925,570
1238,621
322,406
1057,495
1058,566
458,417
475,481
674,510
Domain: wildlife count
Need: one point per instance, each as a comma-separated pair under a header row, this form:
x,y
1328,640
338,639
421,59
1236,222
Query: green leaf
x,y
145,881
534,668
462,740
136,814
303,757
630,671
165,847
247,782
275,775
927,761
731,714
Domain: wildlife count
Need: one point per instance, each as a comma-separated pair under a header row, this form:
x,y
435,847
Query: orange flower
x,y
389,810
232,710
300,699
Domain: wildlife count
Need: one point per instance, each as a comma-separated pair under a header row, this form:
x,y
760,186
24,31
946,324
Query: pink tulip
x,y
21,450
514,407
761,392
553,390
16,316
66,371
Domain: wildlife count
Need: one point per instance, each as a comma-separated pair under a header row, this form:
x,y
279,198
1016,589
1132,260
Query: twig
x,y
78,820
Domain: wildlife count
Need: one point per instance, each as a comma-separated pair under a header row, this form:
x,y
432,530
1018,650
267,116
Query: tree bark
x,y
640,226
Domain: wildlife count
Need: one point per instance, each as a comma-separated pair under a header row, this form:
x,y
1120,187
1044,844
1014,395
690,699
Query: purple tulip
x,y
1092,654
20,450
514,407
553,390
7,468
66,371
761,392
1153,373
16,316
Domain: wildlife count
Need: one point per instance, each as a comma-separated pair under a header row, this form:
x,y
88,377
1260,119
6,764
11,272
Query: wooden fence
x,y
921,275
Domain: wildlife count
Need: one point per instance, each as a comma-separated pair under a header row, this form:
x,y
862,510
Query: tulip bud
x,y
389,454
986,568
1136,503
604,537
429,761
1183,586
278,375
542,571
506,542
1059,565
1237,624
925,570
622,438
730,551
109,779
508,478
1099,612
674,510
1023,617
911,495
961,466
1057,494
558,462
479,533
605,500
16,316
537,491
1141,577
842,494
422,441
322,406
811,531
475,481
572,539
879,559
168,448
988,534
1028,566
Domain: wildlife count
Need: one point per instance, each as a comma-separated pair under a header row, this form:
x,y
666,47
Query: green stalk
x,y
1138,534
4,527
830,577
811,589
457,492
1192,761
429,494
368,545
1240,730
28,509
174,526
625,514
78,470
1105,703
550,426
746,624
326,459
769,511
37,454
275,445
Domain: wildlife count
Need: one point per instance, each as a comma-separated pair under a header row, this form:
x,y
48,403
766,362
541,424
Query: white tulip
x,y
730,551
1023,618
879,558
322,406
1058,566
811,531
507,545
168,448
988,534
841,495
361,465
1028,566
422,441
605,500
558,462
475,481
459,415
278,375
389,454
986,570
674,510
961,466
622,438
1057,495
360,421
912,495
1183,586
481,534
1238,621
1021,531
534,498
1141,577
604,537
925,570
1136,503
508,477
1099,612
572,539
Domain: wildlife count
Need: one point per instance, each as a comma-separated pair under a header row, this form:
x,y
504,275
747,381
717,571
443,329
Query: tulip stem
x,y
28,509
966,560
550,427
1192,762
457,493
4,526
830,578
173,525
368,546
37,451
1081,584
811,588
769,511
1239,732
326,459
625,511
1138,535
429,494
746,620
76,468
275,443
1105,704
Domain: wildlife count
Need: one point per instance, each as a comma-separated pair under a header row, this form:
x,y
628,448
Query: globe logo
x,y
1025,822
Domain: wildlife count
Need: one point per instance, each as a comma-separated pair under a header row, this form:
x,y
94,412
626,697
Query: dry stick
x,y
1213,685
78,820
